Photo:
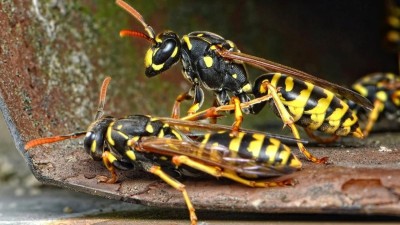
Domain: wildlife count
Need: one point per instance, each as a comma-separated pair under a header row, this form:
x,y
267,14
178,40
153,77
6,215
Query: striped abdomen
x,y
311,106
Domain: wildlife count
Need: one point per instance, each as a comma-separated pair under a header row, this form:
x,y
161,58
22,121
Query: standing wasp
x,y
383,90
216,64
159,148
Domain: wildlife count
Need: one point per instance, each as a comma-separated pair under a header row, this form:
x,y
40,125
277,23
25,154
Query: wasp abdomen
x,y
312,106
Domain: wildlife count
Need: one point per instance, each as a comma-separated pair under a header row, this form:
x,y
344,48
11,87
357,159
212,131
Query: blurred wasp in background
x,y
382,89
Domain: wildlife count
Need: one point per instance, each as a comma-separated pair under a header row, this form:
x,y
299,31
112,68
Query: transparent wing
x,y
212,155
182,124
276,67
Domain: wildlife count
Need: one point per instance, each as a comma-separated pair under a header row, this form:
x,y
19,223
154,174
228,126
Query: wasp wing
x,y
212,155
272,66
182,124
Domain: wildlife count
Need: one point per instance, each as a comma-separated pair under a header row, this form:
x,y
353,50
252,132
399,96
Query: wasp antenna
x,y
47,140
138,16
102,97
132,33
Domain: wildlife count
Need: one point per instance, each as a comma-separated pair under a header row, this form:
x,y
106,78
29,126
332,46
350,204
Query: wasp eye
x,y
89,139
165,51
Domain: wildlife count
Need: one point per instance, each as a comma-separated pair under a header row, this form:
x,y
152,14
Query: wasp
x,y
212,62
159,147
383,90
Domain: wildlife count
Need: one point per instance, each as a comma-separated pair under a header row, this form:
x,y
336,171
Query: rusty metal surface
x,y
361,179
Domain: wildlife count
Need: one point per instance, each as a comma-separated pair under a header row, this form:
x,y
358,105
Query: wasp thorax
x,y
163,54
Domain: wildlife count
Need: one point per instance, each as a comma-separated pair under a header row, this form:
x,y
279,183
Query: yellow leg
x,y
108,159
213,111
177,104
156,170
289,121
372,117
217,172
238,116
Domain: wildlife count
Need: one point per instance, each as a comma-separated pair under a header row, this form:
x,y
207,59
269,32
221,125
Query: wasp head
x,y
164,53
95,139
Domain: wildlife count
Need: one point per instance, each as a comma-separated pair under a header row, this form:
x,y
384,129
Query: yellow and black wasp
x,y
158,148
216,64
383,90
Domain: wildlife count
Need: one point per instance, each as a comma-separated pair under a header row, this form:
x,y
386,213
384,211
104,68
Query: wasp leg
x,y
318,139
177,105
217,172
238,116
195,93
111,162
289,121
156,170
373,116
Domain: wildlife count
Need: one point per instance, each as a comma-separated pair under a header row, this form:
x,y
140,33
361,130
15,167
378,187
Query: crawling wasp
x,y
216,64
158,147
383,90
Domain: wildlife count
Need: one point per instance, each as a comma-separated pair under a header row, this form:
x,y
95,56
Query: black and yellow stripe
x,y
311,106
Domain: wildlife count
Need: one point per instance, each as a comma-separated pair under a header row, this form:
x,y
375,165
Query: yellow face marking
x,y
148,59
175,52
234,144
234,76
157,67
93,146
247,88
382,96
208,61
109,131
149,128
119,127
213,47
187,41
131,155
255,145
